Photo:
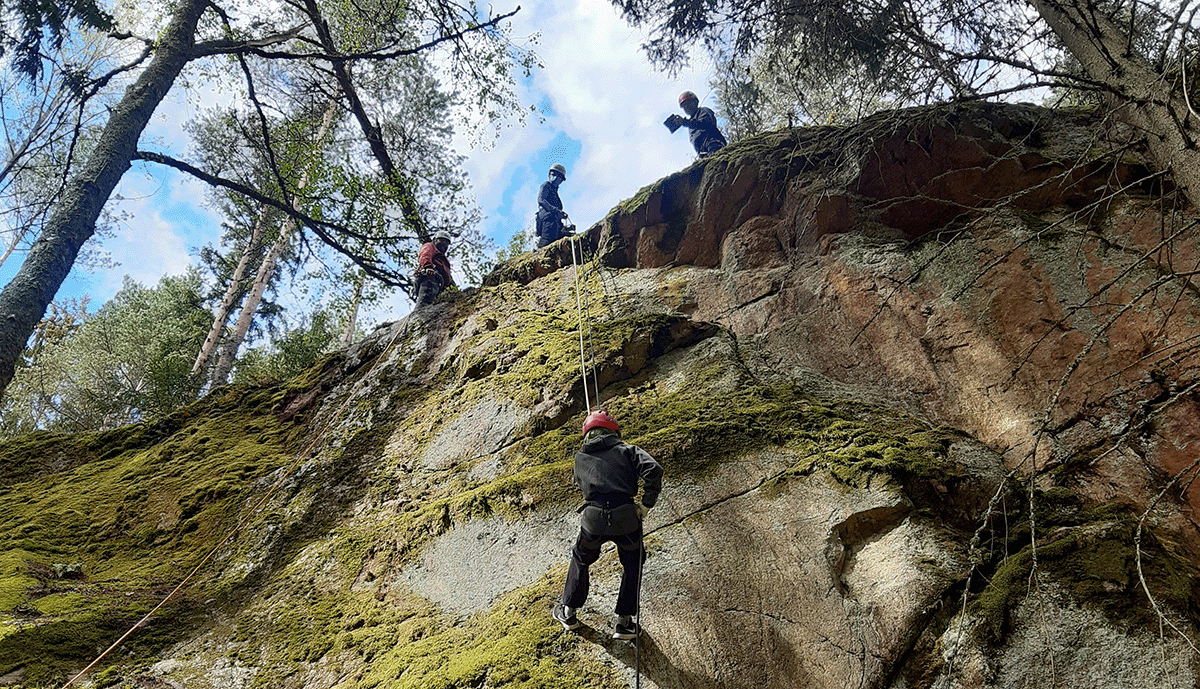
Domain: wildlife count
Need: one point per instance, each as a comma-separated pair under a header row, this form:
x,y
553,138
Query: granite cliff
x,y
924,389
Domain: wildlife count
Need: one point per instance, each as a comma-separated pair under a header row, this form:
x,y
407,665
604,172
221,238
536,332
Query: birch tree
x,y
410,123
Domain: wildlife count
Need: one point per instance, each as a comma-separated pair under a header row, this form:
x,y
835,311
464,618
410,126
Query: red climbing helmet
x,y
600,419
687,96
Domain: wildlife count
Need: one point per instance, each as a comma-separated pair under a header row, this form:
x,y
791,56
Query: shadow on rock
x,y
654,664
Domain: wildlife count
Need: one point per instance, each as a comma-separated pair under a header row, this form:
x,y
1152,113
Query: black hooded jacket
x,y
705,136
607,470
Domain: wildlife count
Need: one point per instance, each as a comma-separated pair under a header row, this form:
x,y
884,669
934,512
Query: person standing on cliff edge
x,y
548,223
607,472
702,123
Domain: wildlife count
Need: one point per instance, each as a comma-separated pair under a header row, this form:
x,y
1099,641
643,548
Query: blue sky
x,y
602,110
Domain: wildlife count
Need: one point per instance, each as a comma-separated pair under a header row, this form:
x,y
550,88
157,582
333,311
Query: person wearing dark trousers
x,y
550,216
608,471
701,124
433,270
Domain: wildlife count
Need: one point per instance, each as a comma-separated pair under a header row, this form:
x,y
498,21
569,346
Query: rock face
x,y
924,389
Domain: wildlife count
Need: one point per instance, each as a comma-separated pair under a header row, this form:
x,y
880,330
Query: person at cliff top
x,y
550,215
433,270
607,471
701,123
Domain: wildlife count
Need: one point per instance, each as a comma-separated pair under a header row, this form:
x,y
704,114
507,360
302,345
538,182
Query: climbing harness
x,y
258,507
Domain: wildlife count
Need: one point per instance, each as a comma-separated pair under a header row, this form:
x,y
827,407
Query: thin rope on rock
x,y
304,454
587,305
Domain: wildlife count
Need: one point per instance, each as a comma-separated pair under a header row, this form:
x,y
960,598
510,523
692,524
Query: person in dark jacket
x,y
550,215
701,123
607,471
433,270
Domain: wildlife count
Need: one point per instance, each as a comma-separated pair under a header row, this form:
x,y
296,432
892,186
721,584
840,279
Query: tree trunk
x,y
222,314
267,269
352,313
250,306
1139,96
73,219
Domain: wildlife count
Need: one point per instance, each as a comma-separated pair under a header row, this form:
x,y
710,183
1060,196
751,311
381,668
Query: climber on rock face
x,y
433,270
550,215
702,122
607,471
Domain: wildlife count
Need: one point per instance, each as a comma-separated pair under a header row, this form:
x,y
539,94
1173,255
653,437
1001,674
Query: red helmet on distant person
x,y
687,96
600,419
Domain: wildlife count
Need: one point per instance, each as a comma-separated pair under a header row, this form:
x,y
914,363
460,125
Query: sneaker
x,y
566,617
626,628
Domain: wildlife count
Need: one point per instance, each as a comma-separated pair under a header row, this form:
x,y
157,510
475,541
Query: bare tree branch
x,y
256,49
323,229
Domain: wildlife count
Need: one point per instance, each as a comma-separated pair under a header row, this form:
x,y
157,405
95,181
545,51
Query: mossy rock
x,y
136,510
1096,560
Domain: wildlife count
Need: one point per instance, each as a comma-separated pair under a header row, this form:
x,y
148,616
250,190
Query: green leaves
x,y
289,355
128,361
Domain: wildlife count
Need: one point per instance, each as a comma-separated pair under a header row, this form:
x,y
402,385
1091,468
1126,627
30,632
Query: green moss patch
x,y
60,603
15,579
690,432
404,641
52,651
86,549
516,645
1095,559
531,357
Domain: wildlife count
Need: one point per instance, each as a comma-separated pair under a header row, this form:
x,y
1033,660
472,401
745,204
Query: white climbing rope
x,y
583,309
581,316
587,309
637,612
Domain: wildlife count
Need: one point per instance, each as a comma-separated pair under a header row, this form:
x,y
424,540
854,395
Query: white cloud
x,y
150,243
